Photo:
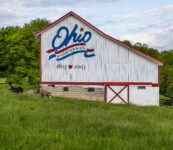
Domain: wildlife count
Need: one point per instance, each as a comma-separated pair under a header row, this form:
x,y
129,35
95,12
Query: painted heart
x,y
70,66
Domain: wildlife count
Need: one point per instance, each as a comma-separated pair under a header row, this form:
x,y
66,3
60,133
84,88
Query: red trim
x,y
155,85
51,50
128,94
78,44
71,12
40,62
158,75
117,94
90,50
128,83
106,93
98,83
74,83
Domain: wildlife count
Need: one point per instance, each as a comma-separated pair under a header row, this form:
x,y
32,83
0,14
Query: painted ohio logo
x,y
64,50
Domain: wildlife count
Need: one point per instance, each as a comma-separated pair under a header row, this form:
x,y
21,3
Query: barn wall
x,y
112,62
143,97
147,96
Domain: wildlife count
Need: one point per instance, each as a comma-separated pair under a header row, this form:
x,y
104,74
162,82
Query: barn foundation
x,y
76,91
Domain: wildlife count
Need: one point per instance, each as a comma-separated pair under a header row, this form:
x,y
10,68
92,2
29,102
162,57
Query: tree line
x,y
19,52
19,56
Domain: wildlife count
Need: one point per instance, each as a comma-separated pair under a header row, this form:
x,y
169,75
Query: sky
x,y
144,21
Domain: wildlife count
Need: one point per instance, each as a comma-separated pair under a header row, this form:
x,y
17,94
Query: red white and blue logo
x,y
64,50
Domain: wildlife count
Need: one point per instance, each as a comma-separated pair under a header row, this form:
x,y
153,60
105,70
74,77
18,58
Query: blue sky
x,y
149,21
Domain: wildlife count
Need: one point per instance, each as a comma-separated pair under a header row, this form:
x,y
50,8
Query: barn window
x,y
90,89
141,87
65,88
52,85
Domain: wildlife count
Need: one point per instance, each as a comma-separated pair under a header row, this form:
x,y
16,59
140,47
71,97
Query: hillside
x,y
29,122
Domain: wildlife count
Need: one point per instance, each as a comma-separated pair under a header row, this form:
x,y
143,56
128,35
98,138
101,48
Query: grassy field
x,y
28,122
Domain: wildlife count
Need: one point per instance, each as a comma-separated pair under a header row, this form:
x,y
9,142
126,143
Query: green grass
x,y
166,100
25,86
28,122
164,97
2,80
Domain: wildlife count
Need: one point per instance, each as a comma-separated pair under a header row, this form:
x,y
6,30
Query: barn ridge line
x,y
98,30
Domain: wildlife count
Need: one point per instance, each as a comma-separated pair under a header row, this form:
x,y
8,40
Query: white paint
x,y
143,97
112,62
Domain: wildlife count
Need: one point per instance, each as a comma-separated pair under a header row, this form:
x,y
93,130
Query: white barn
x,y
80,61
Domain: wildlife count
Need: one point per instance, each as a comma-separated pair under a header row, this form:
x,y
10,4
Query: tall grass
x,y
166,100
2,80
28,122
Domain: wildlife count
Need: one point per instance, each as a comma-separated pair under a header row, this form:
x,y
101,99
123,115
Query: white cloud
x,y
160,12
158,38
150,12
154,12
153,27
130,26
18,12
168,8
133,15
127,16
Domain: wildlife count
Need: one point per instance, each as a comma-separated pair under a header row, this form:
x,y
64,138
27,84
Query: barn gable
x,y
100,32
120,63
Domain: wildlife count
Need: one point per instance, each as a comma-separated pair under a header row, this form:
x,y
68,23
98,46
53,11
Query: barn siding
x,y
112,63
149,96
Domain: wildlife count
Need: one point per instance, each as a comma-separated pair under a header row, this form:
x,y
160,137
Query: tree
x,y
167,73
127,43
23,53
4,41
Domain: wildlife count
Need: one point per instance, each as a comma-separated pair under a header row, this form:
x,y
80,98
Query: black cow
x,y
15,89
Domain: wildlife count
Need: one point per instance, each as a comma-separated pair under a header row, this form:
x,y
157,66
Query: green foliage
x,y
127,43
19,52
29,122
167,73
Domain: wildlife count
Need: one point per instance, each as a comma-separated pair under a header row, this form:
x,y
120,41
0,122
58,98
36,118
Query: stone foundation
x,y
76,91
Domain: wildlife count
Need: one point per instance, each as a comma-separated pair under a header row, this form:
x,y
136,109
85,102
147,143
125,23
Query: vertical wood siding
x,y
112,62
